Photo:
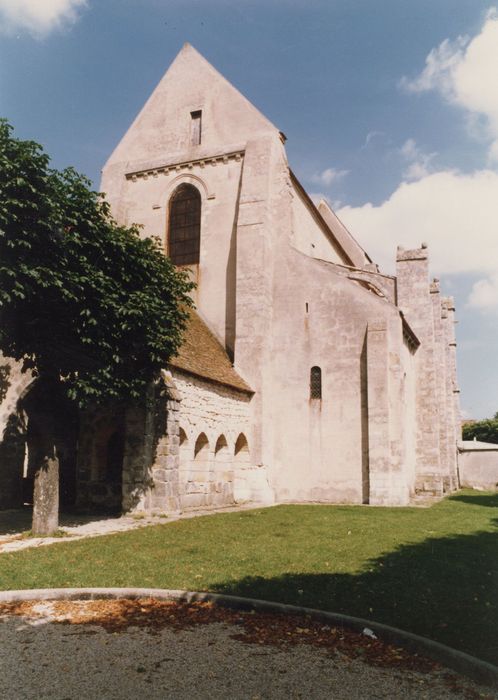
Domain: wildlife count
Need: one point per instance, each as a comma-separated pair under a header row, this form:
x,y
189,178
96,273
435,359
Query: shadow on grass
x,y
13,522
16,521
489,500
445,589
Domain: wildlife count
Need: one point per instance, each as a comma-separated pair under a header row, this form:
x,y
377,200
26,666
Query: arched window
x,y
315,383
184,236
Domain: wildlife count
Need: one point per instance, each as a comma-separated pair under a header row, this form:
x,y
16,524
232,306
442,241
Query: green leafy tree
x,y
482,430
90,308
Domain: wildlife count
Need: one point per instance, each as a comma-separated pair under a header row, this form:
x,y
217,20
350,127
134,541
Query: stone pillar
x,y
440,344
453,416
254,293
165,495
378,412
387,476
151,458
413,297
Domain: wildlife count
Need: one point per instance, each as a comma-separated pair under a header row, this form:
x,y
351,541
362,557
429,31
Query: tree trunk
x,y
46,488
46,496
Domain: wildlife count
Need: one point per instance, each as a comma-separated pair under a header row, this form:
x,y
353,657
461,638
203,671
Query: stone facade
x,y
214,460
310,376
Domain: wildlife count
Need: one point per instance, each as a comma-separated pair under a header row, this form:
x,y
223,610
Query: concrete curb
x,y
479,671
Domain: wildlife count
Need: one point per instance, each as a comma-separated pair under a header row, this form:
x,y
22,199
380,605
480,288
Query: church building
x,y
306,374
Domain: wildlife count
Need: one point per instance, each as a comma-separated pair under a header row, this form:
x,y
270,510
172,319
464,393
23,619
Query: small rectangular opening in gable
x,y
195,127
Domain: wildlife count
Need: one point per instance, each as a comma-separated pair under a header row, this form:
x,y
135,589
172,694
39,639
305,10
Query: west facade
x,y
306,374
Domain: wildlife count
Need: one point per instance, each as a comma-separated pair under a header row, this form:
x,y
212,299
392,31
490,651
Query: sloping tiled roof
x,y
203,355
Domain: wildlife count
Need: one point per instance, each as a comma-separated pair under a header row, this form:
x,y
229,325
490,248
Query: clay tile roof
x,y
202,354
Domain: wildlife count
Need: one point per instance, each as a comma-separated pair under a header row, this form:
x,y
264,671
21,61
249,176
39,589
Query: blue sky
x,y
390,109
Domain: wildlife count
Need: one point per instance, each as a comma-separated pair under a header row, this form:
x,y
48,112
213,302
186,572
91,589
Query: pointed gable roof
x,y
347,242
190,84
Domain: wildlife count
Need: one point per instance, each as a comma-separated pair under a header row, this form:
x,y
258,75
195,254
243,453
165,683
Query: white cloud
x,y
317,196
484,294
418,161
328,176
39,17
465,72
409,150
370,137
493,151
415,171
440,66
456,213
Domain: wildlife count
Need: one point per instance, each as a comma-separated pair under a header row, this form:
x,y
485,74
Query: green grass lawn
x,y
433,571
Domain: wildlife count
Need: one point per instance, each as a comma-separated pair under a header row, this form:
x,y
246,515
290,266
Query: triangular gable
x,y
190,84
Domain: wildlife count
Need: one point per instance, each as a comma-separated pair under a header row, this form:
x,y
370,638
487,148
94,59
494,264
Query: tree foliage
x,y
483,430
82,299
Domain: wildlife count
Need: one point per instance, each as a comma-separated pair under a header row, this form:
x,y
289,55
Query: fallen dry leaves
x,y
252,627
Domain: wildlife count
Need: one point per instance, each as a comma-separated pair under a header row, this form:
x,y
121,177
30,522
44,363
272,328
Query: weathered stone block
x,y
159,475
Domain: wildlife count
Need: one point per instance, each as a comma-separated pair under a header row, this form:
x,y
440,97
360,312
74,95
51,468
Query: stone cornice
x,y
172,166
403,255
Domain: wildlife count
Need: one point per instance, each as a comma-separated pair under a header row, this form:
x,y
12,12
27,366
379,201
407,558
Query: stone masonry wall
x,y
478,465
163,448
94,490
215,465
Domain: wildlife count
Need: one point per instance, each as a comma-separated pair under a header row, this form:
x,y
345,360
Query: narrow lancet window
x,y
195,127
184,236
316,383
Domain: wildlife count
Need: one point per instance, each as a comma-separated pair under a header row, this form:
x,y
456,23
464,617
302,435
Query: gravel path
x,y
13,523
42,658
